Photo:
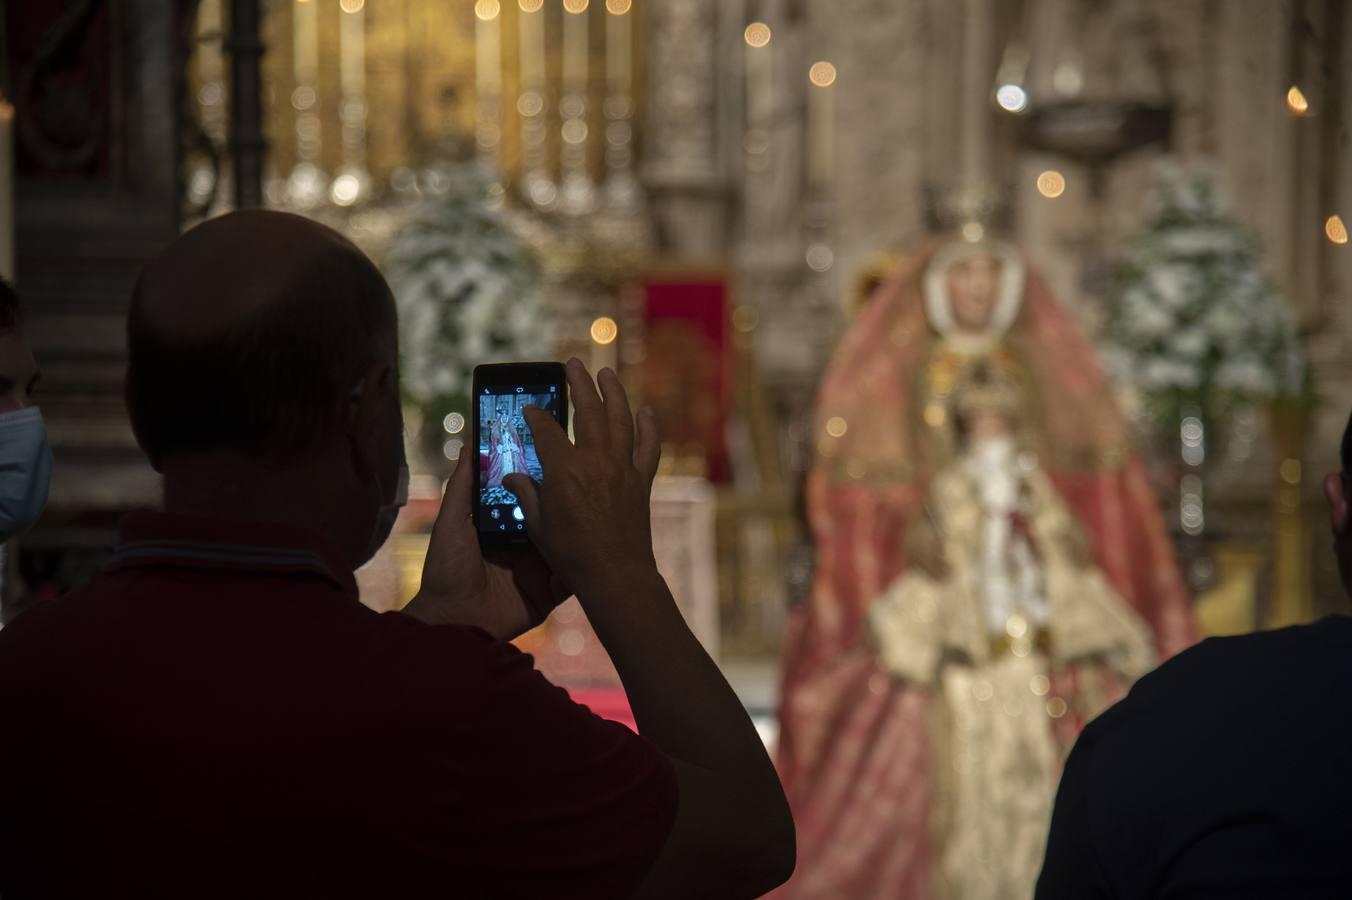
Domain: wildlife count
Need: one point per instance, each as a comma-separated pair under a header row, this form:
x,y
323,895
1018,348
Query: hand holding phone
x,y
477,573
504,445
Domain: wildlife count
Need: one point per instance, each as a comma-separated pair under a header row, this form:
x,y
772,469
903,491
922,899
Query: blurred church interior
x,y
705,195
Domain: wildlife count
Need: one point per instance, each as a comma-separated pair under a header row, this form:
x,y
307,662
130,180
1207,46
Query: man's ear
x,y
1337,498
362,413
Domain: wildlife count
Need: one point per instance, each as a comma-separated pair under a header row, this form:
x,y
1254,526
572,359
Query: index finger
x,y
550,438
589,414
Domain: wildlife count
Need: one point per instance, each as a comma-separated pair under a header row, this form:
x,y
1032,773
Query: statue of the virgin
x,y
992,571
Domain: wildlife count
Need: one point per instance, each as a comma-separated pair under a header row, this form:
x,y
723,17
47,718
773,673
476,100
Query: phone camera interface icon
x,y
518,514
495,513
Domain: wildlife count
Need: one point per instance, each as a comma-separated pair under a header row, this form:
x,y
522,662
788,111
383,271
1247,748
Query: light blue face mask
x,y
25,470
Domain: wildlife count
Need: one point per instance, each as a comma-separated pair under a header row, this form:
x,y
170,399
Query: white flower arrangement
x,y
466,289
1196,323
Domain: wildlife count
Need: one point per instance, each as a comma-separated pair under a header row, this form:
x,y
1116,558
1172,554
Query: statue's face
x,y
973,283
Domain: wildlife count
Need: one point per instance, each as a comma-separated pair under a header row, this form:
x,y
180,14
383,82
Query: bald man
x,y
216,715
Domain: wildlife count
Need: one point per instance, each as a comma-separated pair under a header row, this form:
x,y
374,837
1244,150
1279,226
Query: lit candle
x,y
352,50
532,32
488,79
535,179
617,48
305,35
6,189
352,183
604,355
759,75
821,112
488,49
575,46
622,190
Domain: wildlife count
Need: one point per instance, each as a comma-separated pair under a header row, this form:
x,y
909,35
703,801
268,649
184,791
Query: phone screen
x,y
506,447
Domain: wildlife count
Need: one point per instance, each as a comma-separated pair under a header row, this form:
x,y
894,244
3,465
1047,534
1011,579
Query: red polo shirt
x,y
217,715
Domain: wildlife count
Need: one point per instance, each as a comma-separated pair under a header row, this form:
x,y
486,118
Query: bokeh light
x,y
822,74
1335,230
1011,97
757,34
345,189
604,330
1296,101
819,257
1051,184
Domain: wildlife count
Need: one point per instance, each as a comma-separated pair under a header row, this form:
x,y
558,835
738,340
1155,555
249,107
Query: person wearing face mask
x,y
25,457
217,715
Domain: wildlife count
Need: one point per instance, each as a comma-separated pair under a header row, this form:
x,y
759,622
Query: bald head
x,y
249,332
243,264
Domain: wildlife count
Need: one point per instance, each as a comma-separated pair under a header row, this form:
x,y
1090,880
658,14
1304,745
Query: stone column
x,y
692,87
880,120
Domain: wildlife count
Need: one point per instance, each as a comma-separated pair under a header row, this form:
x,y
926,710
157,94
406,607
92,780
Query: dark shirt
x,y
1225,773
216,715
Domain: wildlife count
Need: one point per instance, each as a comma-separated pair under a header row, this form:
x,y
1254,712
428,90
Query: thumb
x,y
456,502
527,495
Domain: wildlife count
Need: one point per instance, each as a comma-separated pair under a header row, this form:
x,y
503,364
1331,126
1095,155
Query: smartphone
x,y
504,443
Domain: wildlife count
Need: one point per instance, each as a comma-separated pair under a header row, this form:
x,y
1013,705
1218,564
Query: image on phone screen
x,y
506,447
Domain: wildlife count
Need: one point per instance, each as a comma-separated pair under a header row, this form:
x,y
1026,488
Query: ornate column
x,y
879,159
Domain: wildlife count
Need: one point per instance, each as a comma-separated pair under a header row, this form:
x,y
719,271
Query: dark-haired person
x,y
1225,773
25,458
217,716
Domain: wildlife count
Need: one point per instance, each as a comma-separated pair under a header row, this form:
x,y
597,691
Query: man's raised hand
x,y
590,515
